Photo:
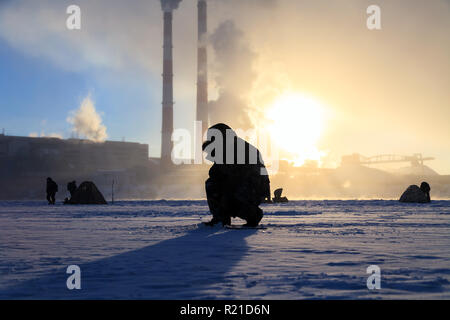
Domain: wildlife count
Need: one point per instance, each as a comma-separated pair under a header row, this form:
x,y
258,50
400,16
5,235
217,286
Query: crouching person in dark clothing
x,y
72,187
238,181
425,187
52,189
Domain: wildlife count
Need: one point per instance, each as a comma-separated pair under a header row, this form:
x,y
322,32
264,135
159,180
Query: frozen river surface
x,y
160,250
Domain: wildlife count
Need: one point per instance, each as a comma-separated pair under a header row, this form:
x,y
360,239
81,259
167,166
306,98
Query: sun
x,y
296,124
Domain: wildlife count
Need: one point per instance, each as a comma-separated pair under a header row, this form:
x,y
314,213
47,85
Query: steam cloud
x,y
87,122
170,5
234,76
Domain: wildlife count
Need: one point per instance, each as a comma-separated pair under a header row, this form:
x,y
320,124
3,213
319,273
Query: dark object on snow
x,y
237,182
52,189
415,194
278,198
425,187
72,187
86,193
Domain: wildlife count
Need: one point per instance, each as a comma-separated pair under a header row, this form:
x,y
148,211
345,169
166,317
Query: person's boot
x,y
254,218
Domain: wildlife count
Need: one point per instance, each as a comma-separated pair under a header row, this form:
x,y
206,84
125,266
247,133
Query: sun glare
x,y
296,123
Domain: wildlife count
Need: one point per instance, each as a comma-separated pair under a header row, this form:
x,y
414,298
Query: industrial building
x,y
25,162
35,156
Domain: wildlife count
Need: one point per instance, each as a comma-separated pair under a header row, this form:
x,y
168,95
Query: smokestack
x,y
202,71
167,104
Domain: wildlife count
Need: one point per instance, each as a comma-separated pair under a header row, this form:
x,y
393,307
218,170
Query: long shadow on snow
x,y
186,267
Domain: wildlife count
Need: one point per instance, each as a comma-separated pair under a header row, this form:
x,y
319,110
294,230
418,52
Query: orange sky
x,y
384,91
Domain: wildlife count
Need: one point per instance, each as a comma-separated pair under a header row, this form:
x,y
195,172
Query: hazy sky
x,y
384,91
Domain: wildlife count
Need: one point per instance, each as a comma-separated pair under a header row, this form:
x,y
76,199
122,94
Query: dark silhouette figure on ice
x,y
415,194
277,196
52,189
425,187
72,187
86,193
238,181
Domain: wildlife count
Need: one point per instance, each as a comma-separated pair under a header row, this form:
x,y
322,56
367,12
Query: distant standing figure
x,y
415,194
52,189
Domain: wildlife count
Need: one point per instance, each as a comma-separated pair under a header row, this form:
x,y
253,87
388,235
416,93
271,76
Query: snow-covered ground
x,y
159,250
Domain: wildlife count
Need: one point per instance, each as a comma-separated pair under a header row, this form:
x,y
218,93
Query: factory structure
x,y
25,162
168,6
167,87
37,155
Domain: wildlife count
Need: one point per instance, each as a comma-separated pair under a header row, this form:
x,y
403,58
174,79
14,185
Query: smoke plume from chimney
x,y
87,122
234,75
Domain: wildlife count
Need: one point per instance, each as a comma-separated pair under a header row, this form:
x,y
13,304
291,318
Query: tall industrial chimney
x,y
167,104
202,69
